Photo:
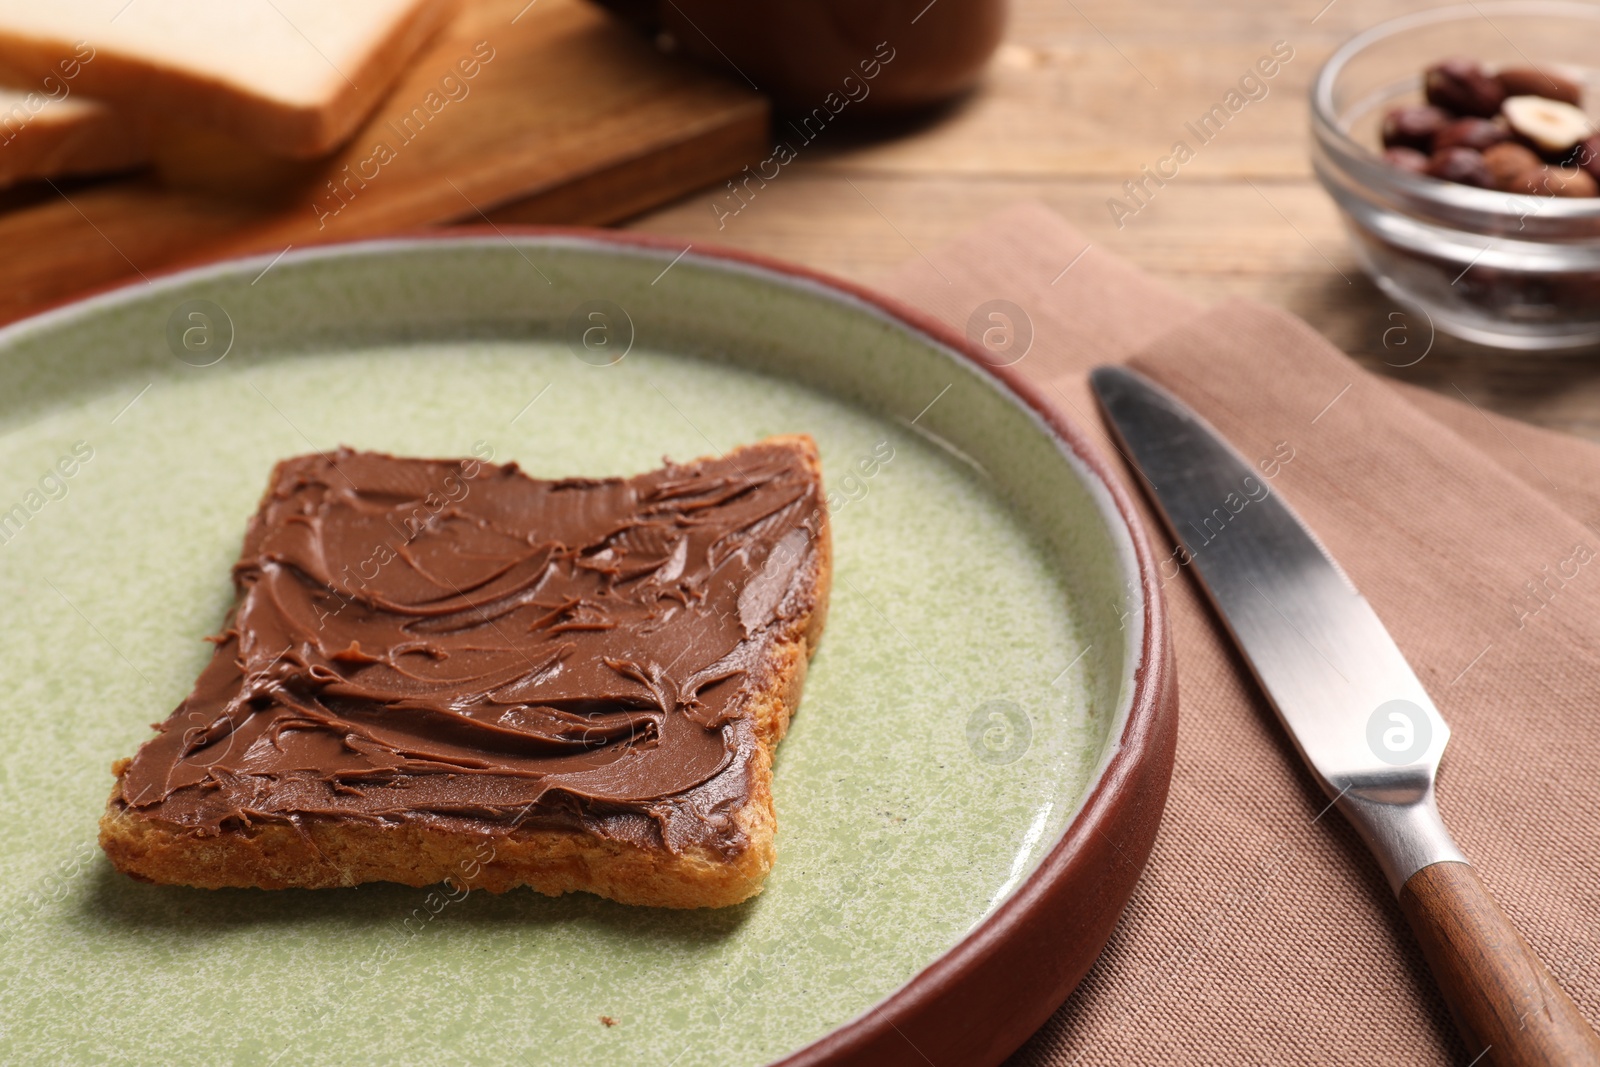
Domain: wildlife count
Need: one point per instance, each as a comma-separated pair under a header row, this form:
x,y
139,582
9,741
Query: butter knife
x,y
1355,710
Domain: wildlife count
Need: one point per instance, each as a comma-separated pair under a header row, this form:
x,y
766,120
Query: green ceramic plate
x,y
978,667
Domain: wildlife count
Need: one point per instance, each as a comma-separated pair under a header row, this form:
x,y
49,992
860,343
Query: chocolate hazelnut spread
x,y
456,641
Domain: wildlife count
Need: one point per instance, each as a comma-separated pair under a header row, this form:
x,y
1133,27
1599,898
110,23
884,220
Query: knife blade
x,y
1354,708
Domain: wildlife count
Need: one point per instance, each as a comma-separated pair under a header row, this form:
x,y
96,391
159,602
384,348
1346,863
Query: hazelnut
x,y
1550,127
1564,182
1465,166
1572,182
1576,182
1463,86
1414,126
1587,156
1531,81
1473,133
1508,162
1408,159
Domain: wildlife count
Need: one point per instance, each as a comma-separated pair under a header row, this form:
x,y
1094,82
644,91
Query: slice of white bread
x,y
44,136
293,77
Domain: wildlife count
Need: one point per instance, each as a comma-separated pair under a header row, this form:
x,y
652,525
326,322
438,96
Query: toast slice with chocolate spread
x,y
449,670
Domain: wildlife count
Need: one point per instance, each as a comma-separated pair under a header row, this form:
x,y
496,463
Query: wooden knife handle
x,y
1503,998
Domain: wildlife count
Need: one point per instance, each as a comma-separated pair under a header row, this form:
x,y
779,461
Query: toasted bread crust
x,y
320,853
149,89
69,141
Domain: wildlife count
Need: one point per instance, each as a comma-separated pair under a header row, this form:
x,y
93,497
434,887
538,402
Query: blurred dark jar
x,y
900,54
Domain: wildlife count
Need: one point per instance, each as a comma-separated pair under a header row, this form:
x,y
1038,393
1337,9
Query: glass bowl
x,y
1502,269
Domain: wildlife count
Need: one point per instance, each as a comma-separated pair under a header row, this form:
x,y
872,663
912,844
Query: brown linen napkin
x,y
1262,932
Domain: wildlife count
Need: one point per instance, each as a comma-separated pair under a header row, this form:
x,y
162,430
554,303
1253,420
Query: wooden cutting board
x,y
568,117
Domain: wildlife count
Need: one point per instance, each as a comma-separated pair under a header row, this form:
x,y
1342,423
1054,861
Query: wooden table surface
x,y
1079,97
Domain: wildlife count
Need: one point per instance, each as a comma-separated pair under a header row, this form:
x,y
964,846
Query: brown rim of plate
x,y
977,1003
